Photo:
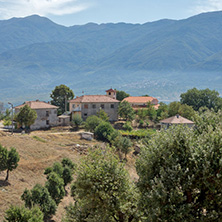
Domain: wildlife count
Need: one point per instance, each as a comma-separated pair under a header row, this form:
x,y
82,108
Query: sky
x,y
78,12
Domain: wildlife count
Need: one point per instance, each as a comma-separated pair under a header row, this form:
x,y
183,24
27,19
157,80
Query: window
x,y
55,111
85,106
73,106
109,93
47,122
93,106
112,106
85,114
47,113
102,106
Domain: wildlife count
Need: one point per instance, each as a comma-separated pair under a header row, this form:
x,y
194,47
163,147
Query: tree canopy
x,y
26,116
179,175
102,190
126,111
120,95
8,160
59,95
202,98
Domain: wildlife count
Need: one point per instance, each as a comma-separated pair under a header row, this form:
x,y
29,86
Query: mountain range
x,y
162,58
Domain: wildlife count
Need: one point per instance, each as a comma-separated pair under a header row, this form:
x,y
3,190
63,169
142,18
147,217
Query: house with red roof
x,y
88,105
138,102
46,114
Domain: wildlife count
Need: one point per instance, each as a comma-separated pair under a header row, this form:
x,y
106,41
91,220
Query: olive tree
x,y
180,176
26,116
8,160
102,190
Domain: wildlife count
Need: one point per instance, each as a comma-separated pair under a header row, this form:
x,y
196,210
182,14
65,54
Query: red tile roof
x,y
140,99
94,99
177,120
37,105
111,90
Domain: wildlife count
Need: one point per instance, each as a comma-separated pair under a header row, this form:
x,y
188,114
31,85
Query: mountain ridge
x,y
37,54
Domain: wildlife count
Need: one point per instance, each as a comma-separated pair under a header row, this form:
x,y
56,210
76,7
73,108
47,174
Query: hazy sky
x,y
72,12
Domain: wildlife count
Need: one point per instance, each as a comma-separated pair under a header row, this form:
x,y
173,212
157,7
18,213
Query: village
x,y
41,138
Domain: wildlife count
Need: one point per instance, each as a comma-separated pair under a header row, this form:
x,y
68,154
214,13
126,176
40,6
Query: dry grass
x,y
37,151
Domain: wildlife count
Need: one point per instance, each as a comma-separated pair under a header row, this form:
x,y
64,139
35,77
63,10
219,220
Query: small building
x,y
175,120
88,105
138,102
64,120
46,114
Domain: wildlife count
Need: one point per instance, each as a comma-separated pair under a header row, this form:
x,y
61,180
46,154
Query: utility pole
x,y
65,104
12,116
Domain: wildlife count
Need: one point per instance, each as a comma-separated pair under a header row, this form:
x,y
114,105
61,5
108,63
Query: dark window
x,y
93,106
112,106
102,106
47,122
109,93
85,106
73,106
55,111
47,113
85,114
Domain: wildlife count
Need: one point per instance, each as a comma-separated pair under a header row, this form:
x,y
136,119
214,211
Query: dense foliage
x,y
8,160
39,195
92,122
126,111
22,214
26,116
202,98
60,95
179,173
120,95
102,190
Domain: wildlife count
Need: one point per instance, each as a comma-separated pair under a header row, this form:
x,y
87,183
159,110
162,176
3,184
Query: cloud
x,y
21,8
208,5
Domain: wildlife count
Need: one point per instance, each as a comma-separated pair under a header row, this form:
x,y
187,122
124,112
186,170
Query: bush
x,y
76,121
92,122
22,214
103,131
40,196
128,126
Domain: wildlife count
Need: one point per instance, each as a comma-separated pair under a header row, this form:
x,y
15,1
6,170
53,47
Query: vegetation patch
x,y
141,133
39,139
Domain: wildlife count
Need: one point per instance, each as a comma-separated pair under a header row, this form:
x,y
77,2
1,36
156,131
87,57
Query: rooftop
x,y
37,105
140,99
177,120
94,99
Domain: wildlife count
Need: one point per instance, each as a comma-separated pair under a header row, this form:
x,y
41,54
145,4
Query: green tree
x,y
120,95
92,122
102,190
59,95
103,131
77,121
8,160
40,196
55,186
22,214
26,116
162,111
151,112
173,108
202,98
103,115
126,111
12,161
179,176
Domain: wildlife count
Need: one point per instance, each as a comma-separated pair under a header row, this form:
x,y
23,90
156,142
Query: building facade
x,y
89,105
46,114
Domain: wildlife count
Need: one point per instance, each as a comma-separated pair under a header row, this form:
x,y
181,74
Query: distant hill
x,y
162,58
